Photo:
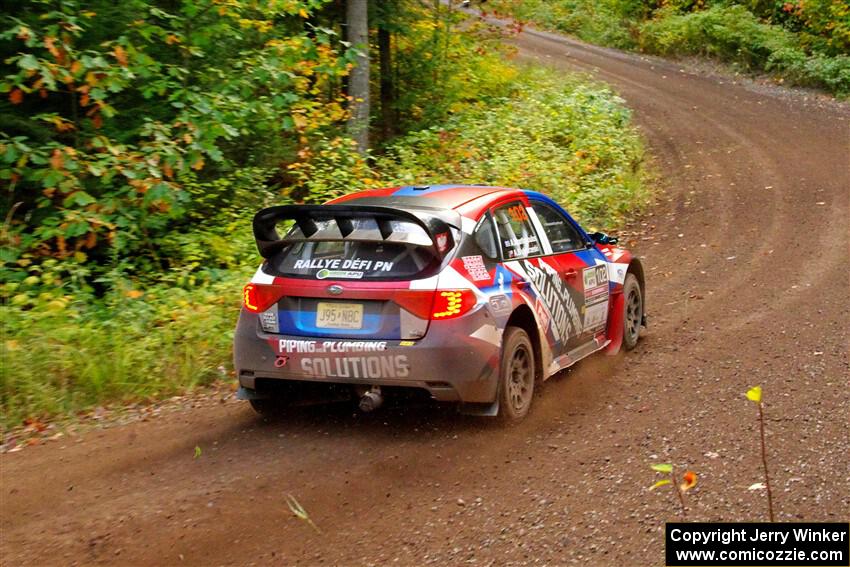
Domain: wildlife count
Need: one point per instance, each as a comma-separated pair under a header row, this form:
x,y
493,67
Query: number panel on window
x,y
517,238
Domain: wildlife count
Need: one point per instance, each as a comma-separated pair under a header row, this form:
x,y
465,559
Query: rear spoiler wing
x,y
318,223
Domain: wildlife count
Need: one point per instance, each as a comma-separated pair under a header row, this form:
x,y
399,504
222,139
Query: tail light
x,y
259,297
439,304
449,304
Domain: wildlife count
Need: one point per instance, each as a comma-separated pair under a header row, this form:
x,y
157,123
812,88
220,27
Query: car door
x,y
582,270
526,252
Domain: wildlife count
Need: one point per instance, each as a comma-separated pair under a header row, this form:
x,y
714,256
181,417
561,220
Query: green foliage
x,y
442,71
332,169
733,34
215,234
606,22
209,239
803,43
127,107
565,138
823,26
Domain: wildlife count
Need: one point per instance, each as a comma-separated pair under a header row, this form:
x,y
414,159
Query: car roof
x,y
446,196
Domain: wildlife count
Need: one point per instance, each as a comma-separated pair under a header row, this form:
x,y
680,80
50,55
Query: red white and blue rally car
x,y
471,294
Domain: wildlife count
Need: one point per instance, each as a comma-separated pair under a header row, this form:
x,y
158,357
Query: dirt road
x,y
748,284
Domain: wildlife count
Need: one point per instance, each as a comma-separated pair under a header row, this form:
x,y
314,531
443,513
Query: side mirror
x,y
602,238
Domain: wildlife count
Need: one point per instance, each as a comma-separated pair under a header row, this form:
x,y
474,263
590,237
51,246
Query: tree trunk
x,y
387,86
357,17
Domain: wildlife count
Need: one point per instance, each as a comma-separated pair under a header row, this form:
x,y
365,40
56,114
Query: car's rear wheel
x,y
516,381
633,316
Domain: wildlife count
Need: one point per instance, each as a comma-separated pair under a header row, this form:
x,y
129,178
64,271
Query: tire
x,y
633,311
516,376
266,407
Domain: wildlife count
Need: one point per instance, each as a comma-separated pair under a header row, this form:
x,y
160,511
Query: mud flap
x,y
615,325
484,410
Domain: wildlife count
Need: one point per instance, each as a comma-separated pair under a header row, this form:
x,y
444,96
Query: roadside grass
x,y
74,347
119,348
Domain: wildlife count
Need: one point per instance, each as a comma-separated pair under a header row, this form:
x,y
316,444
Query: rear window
x,y
354,260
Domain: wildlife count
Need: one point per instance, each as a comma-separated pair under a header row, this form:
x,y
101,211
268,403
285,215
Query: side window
x,y
485,237
561,233
517,238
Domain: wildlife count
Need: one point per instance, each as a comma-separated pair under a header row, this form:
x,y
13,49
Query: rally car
x,y
470,294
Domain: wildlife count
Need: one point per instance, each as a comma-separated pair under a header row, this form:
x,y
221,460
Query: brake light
x,y
449,304
258,297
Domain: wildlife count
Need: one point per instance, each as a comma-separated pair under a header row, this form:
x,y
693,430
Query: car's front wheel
x,y
633,316
516,381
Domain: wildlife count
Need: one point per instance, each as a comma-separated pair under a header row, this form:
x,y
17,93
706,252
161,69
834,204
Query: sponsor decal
x,y
595,315
556,298
500,304
595,283
369,367
602,274
595,296
442,241
355,264
339,274
406,343
614,254
296,346
268,319
474,265
516,247
542,314
280,361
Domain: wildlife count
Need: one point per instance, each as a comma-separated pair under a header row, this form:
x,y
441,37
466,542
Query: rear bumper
x,y
458,360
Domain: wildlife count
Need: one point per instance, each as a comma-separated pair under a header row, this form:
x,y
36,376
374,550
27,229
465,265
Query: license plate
x,y
339,315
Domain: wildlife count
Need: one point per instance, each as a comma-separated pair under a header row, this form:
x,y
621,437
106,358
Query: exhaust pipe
x,y
371,400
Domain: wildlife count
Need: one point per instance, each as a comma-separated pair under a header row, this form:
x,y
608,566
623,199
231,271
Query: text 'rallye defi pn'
x,y
470,294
